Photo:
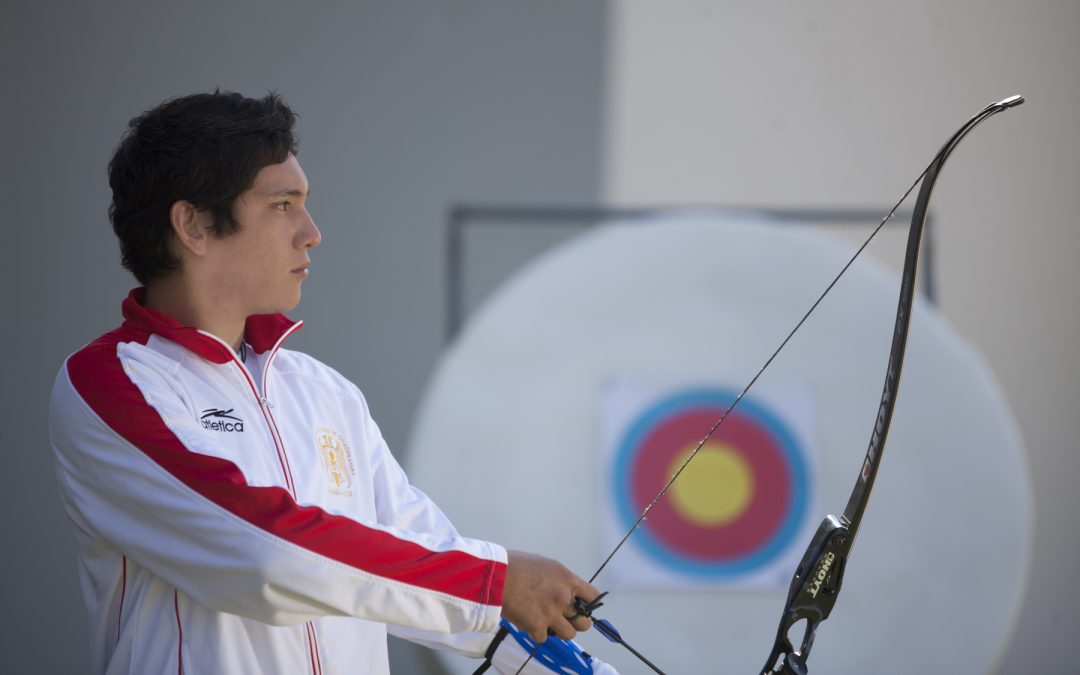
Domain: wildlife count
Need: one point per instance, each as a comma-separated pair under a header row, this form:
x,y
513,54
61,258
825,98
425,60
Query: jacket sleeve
x,y
138,473
403,505
400,505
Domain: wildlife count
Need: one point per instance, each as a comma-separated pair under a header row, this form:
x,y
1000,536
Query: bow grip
x,y
811,596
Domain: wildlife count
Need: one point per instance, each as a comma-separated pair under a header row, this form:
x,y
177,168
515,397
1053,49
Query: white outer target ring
x,y
506,437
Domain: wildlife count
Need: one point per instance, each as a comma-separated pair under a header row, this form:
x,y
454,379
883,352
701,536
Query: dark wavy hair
x,y
203,148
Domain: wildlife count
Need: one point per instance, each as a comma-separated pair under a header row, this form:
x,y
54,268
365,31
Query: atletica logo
x,y
220,420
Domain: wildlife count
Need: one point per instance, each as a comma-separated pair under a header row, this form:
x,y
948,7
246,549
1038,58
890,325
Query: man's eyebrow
x,y
287,192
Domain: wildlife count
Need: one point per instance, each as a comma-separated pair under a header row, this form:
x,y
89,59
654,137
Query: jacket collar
x,y
262,331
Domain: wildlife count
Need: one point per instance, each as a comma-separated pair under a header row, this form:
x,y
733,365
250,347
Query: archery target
x,y
735,509
511,436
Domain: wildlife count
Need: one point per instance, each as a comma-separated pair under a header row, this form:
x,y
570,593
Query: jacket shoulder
x,y
294,363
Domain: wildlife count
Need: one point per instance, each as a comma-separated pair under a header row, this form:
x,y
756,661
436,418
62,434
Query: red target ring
x,y
755,452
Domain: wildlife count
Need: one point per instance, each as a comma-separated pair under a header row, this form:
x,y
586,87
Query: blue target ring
x,y
761,441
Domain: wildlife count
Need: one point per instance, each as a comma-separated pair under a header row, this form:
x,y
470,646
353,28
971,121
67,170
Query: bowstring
x,y
727,412
724,416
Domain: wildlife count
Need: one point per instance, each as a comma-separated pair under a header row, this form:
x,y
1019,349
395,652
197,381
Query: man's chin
x,y
291,305
285,305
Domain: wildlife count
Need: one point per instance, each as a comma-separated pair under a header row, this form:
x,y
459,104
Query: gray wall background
x,y
406,108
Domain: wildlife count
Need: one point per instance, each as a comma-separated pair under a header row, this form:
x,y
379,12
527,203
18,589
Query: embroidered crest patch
x,y
336,460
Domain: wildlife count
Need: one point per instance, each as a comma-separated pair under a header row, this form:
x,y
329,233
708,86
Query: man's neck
x,y
192,308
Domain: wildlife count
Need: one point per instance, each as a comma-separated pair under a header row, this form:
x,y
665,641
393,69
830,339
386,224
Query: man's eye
x,y
282,206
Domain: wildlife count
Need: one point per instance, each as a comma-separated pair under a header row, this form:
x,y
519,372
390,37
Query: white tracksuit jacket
x,y
249,518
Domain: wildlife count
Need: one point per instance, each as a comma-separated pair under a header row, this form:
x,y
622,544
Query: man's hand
x,y
538,596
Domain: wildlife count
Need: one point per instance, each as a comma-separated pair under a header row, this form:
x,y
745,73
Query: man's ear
x,y
191,226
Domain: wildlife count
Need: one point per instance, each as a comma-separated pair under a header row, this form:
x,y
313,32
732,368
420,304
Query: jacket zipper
x,y
279,446
313,642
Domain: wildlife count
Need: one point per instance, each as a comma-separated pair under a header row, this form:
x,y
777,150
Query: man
x,y
236,508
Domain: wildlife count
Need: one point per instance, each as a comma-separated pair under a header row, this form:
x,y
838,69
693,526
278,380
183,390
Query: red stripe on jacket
x,y
99,378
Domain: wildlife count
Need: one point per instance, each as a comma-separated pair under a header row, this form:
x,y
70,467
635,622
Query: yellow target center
x,y
715,488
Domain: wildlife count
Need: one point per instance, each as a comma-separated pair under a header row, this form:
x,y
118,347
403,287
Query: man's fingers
x,y
564,629
587,592
540,597
581,623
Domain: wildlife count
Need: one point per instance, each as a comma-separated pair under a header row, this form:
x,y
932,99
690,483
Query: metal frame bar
x,y
460,217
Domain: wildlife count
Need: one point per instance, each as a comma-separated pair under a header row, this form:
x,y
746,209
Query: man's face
x,y
259,269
